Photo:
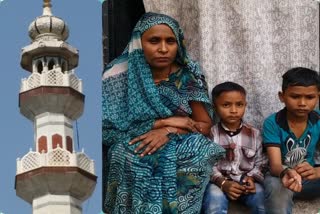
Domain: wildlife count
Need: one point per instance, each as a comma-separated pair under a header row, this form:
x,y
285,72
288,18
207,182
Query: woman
x,y
156,112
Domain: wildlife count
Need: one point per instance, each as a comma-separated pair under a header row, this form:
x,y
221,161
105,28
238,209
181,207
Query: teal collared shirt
x,y
276,132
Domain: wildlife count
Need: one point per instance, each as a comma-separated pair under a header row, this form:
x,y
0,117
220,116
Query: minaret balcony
x,y
51,78
49,48
58,157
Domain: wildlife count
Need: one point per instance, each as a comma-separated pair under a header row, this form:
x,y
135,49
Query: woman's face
x,y
160,46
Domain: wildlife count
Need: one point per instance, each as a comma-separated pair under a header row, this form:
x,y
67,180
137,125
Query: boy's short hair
x,y
300,76
226,87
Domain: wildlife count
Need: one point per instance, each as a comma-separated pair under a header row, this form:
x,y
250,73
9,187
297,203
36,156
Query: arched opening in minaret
x,y
39,67
69,143
51,64
56,140
42,144
64,67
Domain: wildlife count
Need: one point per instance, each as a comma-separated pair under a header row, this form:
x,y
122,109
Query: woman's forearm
x,y
175,121
184,124
159,123
167,123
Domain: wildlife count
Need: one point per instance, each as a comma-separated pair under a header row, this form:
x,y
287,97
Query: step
x,y
300,207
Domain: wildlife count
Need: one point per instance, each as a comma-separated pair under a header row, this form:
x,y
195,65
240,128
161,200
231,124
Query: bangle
x,y
171,131
223,182
284,172
168,130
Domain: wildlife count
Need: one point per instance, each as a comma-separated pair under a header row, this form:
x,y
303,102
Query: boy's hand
x,y
306,171
233,189
292,180
248,183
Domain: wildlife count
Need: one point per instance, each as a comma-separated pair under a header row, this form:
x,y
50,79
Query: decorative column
x,y
54,178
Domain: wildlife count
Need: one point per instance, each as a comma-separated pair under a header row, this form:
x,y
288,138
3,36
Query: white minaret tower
x,y
54,178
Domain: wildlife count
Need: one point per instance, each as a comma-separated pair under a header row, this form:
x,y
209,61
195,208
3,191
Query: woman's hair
x,y
226,87
300,76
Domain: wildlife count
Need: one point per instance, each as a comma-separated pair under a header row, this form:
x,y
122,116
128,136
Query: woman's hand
x,y
200,114
306,171
150,141
186,123
233,189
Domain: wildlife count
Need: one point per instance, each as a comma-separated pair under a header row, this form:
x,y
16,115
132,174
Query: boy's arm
x,y
307,171
217,176
233,189
271,141
260,159
274,156
289,177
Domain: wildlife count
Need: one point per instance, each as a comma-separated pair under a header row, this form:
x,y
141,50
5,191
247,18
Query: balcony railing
x,y
56,157
53,77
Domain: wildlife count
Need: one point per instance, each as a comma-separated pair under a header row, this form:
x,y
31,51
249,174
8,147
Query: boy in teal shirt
x,y
290,137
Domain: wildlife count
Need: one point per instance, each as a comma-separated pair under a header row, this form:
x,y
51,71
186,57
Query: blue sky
x,y
84,20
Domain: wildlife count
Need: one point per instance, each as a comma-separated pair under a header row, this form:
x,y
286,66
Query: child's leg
x,y
255,201
310,189
214,200
278,199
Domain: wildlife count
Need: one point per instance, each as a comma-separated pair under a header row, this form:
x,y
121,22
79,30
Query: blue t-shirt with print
x,y
276,132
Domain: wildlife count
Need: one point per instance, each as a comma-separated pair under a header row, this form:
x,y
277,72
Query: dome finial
x,y
47,8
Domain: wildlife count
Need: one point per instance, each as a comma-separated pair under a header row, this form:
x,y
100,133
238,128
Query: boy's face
x,y
230,107
300,100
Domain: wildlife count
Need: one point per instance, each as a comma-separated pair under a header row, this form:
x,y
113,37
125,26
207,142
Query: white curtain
x,y
251,42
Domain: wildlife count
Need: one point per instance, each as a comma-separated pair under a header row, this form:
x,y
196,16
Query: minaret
x,y
53,178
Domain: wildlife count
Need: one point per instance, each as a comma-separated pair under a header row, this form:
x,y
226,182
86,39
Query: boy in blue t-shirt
x,y
290,137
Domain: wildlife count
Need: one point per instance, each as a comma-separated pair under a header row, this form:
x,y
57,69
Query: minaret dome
x,y
48,25
48,34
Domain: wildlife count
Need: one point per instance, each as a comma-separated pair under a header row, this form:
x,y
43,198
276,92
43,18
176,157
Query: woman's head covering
x,y
147,21
130,97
